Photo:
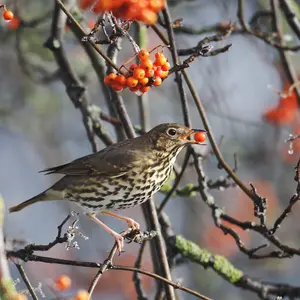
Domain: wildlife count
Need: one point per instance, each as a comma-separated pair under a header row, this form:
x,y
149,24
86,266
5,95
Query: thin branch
x,y
27,282
229,272
136,278
293,200
171,283
176,61
96,47
266,38
175,184
284,56
291,17
106,265
74,87
201,48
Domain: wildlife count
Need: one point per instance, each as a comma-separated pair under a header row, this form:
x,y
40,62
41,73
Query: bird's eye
x,y
172,131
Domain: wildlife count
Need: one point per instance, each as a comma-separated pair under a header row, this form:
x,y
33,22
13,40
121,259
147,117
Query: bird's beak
x,y
184,137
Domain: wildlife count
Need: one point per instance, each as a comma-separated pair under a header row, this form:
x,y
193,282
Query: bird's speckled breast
x,y
131,189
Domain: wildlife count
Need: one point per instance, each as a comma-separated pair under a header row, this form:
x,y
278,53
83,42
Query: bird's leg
x,y
131,223
118,237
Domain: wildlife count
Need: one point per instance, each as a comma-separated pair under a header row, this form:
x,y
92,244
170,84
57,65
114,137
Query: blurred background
x,y
40,128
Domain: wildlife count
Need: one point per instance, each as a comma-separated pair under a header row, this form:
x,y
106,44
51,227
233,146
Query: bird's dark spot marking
x,y
91,206
111,204
151,173
137,195
118,200
126,195
146,187
103,194
95,198
85,190
121,187
113,182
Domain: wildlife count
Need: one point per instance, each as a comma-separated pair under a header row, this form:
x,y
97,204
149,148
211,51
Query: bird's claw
x,y
132,225
119,241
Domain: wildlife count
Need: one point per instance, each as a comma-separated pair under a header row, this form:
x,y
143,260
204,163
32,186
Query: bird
x,y
120,176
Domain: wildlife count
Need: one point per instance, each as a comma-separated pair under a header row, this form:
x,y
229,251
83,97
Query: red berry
x,y
139,73
143,55
83,4
117,87
82,295
158,72
157,81
134,89
132,67
164,74
144,89
158,55
63,282
128,11
110,79
200,137
147,16
132,82
102,5
150,73
144,81
121,80
156,5
166,67
146,64
14,23
19,297
160,61
8,15
91,24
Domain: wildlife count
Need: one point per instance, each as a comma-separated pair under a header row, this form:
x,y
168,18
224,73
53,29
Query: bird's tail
x,y
38,198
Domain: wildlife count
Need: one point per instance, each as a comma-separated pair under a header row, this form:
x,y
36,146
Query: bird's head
x,y
172,135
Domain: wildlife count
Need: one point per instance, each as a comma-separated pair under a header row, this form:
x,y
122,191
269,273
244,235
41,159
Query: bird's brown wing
x,y
115,160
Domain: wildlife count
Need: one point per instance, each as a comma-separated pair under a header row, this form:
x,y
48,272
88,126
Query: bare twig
x,y
155,276
27,282
73,85
291,17
106,265
136,278
266,38
284,56
295,198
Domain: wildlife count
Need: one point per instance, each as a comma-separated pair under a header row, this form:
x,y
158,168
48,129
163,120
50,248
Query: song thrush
x,y
120,176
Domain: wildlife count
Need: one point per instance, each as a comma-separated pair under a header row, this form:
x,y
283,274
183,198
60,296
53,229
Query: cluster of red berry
x,y
140,10
141,77
7,14
64,282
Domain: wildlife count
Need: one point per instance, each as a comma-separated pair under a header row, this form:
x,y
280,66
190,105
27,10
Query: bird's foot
x,y
119,240
132,225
